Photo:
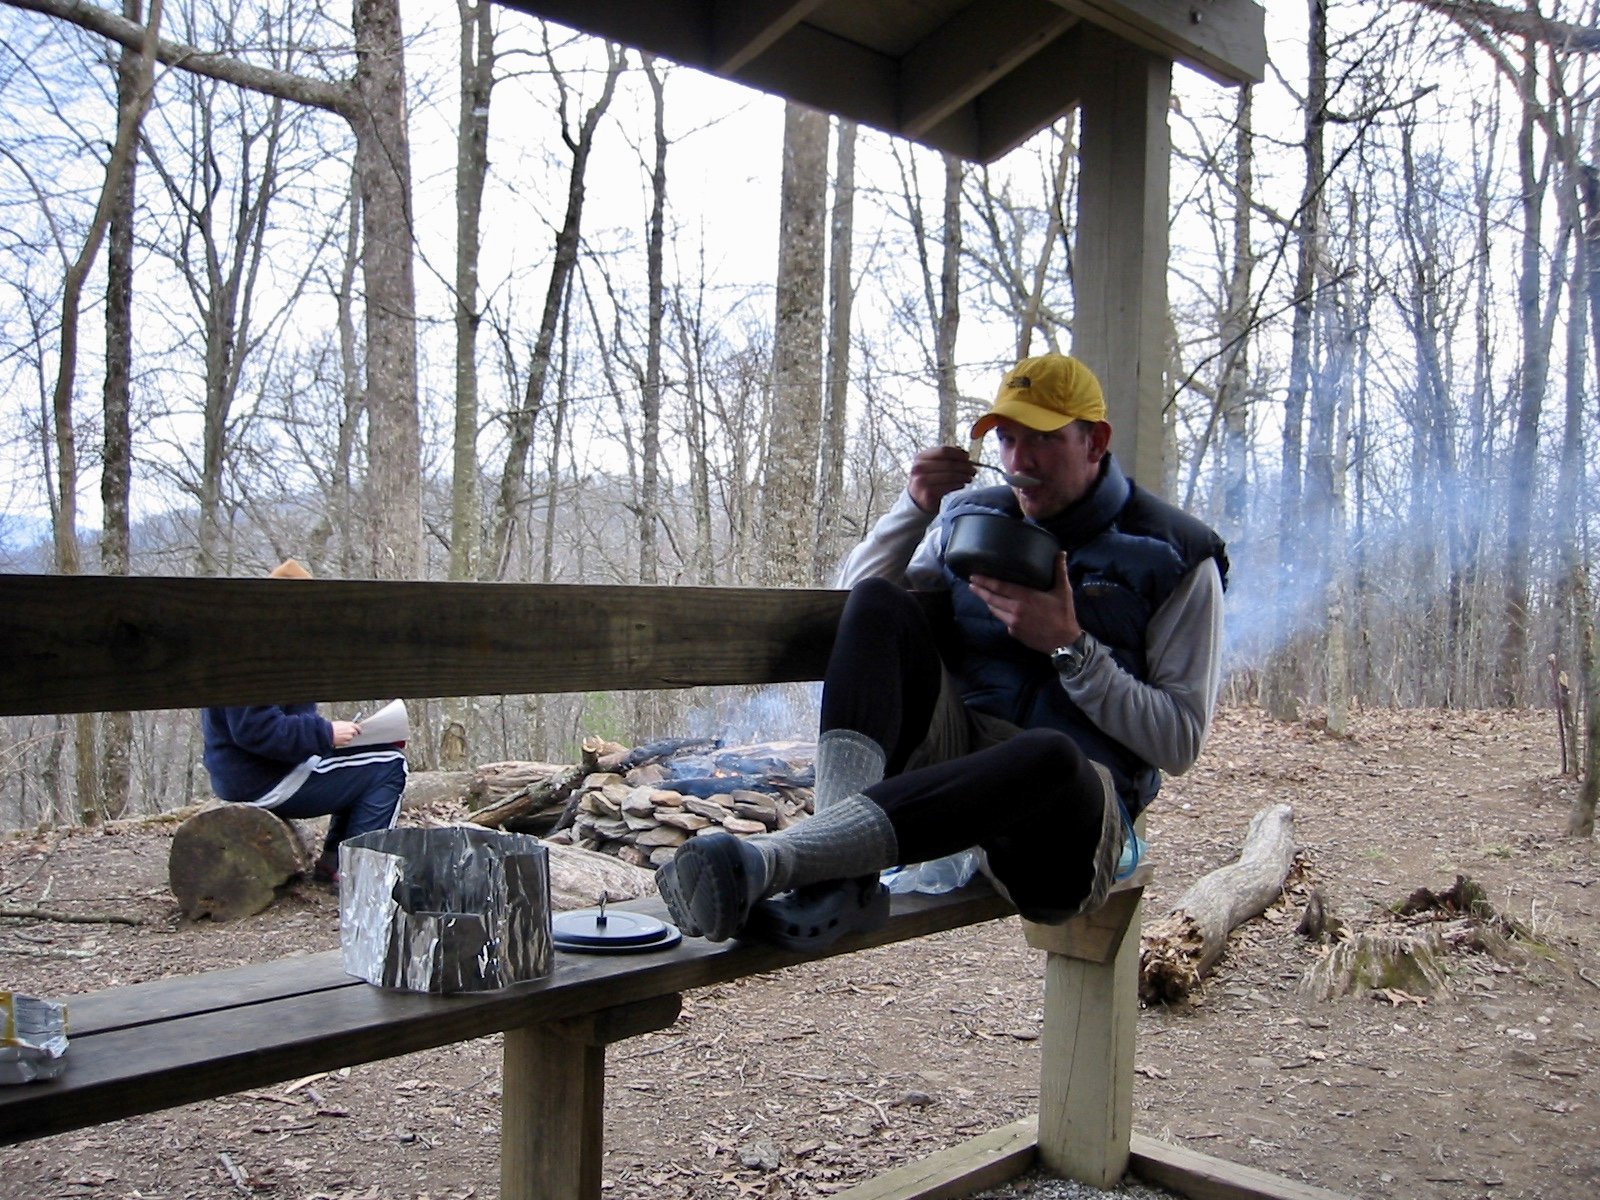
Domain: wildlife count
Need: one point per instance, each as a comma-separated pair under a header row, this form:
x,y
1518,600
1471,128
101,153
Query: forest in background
x,y
495,301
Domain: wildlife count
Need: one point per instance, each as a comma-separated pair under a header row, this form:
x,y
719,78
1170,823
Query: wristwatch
x,y
1069,660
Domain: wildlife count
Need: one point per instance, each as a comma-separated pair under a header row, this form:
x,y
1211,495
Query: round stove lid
x,y
611,931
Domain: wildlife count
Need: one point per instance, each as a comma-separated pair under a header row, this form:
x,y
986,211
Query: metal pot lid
x,y
613,931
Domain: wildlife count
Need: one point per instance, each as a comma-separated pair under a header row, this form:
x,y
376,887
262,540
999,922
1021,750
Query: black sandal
x,y
813,918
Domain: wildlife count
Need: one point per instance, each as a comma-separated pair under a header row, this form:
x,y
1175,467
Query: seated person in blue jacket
x,y
1030,723
289,758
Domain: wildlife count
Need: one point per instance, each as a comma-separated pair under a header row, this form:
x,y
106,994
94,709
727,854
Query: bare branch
x,y
1516,22
334,97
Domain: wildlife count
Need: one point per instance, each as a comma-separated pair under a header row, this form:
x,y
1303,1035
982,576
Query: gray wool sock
x,y
847,762
851,838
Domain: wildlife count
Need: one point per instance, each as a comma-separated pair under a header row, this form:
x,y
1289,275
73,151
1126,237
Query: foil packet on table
x,y
458,909
33,1038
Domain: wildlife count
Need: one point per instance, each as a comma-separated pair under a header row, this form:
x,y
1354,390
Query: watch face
x,y
1069,659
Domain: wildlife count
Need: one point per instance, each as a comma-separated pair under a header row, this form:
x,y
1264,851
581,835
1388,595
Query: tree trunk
x,y
1531,380
650,391
476,62
68,559
1283,682
836,414
117,436
1233,374
790,475
949,318
1179,948
383,169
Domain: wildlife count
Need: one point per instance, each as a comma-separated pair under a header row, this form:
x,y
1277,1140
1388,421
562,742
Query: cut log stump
x,y
232,862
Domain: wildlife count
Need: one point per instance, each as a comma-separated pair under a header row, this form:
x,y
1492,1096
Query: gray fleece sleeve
x,y
899,547
1165,719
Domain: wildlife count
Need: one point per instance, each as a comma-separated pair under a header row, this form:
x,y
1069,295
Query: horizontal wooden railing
x,y
97,644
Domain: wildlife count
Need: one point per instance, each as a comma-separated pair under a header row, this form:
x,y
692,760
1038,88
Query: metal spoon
x,y
1016,481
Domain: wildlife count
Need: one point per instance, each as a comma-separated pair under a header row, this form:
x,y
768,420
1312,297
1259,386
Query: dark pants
x,y
357,790
957,778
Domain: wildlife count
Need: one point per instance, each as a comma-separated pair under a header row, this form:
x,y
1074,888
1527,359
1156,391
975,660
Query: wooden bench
x,y
94,644
150,1046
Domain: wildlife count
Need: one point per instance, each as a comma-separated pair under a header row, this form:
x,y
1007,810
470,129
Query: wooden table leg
x,y
1090,1009
553,1092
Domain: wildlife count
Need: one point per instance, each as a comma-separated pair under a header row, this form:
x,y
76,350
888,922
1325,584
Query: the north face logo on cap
x,y
1021,381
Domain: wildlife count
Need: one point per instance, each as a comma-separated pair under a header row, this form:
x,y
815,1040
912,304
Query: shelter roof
x,y
972,77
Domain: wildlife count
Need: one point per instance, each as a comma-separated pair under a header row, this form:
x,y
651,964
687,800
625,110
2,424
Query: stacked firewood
x,y
641,804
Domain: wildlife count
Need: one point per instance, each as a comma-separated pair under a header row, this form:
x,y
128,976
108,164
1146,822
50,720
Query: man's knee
x,y
875,595
1045,753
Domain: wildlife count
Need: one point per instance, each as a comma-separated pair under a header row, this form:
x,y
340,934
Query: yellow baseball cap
x,y
1045,393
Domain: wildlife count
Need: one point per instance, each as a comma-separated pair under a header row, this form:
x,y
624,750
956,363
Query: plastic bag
x,y
936,877
33,1038
1133,849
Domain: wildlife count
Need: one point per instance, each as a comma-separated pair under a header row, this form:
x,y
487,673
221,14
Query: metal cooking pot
x,y
1003,547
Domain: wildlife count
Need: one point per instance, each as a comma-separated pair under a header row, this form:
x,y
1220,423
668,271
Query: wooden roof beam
x,y
1043,89
972,51
743,29
1223,39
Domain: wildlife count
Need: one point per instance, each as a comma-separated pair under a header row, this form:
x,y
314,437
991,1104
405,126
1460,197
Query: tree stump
x,y
232,861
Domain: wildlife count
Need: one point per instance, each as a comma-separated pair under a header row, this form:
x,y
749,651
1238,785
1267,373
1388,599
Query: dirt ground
x,y
807,1082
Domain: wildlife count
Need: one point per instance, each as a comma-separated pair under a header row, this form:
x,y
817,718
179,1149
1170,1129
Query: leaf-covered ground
x,y
807,1082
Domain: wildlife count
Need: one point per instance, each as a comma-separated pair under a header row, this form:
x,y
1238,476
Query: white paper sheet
x,y
389,724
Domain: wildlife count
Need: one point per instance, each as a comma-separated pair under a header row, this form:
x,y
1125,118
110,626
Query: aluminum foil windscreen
x,y
445,910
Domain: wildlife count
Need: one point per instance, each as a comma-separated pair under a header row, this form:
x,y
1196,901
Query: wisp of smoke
x,y
773,713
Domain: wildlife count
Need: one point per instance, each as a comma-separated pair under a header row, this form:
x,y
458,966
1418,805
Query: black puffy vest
x,y
1127,551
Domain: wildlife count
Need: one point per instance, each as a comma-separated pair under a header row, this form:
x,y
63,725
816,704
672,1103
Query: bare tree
x,y
373,101
520,421
476,62
68,560
220,157
790,470
1233,371
938,251
1281,687
655,305
116,471
836,414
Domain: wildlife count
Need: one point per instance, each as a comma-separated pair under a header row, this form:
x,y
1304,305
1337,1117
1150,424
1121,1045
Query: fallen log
x,y
1178,949
538,796
425,788
579,878
493,782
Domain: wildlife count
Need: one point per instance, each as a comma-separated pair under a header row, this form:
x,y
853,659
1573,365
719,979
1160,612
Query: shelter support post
x,y
1091,1005
1120,323
553,1099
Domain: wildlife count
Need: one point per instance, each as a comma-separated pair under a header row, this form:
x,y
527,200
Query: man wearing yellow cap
x,y
1031,724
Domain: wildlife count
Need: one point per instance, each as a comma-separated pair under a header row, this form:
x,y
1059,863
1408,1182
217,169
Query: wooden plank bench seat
x,y
150,1046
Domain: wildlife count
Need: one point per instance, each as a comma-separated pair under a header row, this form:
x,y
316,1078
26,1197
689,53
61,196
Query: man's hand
x,y
1041,621
937,472
344,732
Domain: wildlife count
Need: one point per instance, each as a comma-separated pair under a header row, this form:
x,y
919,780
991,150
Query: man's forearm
x,y
1165,719
887,549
